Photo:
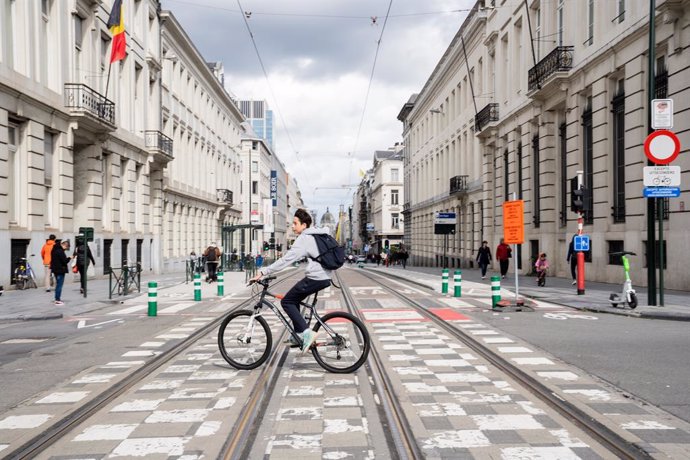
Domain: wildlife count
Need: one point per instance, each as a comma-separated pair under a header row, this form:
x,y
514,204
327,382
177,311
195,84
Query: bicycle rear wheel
x,y
19,281
244,340
343,344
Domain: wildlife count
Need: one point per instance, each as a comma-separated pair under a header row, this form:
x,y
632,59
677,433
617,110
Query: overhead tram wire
x,y
268,82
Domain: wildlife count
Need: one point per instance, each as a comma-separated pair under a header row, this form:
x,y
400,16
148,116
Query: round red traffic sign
x,y
662,147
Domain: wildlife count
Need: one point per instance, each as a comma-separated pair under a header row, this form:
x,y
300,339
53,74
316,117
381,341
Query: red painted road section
x,y
447,314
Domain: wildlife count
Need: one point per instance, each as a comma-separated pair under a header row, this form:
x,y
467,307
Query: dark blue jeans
x,y
298,293
59,281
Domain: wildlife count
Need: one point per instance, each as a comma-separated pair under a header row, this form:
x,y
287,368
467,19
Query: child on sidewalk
x,y
541,266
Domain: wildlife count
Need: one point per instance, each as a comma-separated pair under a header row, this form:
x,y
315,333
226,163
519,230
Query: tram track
x,y
607,438
60,428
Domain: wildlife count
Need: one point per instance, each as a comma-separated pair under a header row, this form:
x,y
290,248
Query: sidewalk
x,y
560,291
37,304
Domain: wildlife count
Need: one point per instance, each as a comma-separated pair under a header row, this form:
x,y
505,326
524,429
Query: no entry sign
x,y
662,147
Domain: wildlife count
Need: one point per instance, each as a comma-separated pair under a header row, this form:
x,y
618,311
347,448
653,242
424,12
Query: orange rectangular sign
x,y
514,222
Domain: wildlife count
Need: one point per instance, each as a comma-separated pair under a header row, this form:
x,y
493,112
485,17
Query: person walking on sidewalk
x,y
316,277
503,255
572,258
484,257
46,251
59,266
212,255
83,254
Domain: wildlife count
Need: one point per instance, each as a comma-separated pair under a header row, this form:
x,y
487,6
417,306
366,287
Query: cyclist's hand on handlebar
x,y
255,279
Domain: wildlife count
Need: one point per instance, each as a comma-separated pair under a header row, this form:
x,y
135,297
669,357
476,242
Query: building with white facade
x,y
497,117
387,197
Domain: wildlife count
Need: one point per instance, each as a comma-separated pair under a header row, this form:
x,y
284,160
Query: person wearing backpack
x,y
212,255
310,243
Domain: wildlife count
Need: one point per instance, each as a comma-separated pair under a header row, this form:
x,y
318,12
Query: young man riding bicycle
x,y
316,277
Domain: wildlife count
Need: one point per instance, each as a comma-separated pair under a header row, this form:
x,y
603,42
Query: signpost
x,y
444,224
514,231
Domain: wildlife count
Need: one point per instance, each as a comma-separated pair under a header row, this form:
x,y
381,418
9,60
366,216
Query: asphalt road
x,y
647,358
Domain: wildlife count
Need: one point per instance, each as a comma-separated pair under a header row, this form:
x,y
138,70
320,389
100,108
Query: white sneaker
x,y
574,282
483,277
308,338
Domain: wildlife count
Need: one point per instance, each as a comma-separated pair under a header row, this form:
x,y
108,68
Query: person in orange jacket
x,y
45,254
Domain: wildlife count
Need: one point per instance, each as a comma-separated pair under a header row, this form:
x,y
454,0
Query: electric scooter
x,y
627,295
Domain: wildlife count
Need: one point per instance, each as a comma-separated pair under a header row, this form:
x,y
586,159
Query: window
x,y
615,246
588,162
255,145
621,11
395,175
255,187
45,7
105,43
537,33
618,109
560,18
48,149
394,197
564,174
7,30
14,169
395,220
590,23
255,166
519,170
78,31
506,195
535,177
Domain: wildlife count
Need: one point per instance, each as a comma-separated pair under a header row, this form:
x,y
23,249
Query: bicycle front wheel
x,y
19,282
244,340
343,343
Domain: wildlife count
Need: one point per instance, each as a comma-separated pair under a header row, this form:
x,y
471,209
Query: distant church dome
x,y
327,219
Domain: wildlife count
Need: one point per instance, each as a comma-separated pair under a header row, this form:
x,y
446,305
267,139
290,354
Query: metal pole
x,y
580,254
661,251
651,202
249,197
515,261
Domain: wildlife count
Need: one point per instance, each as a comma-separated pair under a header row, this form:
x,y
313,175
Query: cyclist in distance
x,y
316,277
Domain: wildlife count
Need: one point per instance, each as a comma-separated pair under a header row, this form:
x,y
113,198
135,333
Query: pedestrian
x,y
541,266
59,266
403,257
572,258
82,253
212,255
259,261
484,257
378,259
46,251
316,277
384,258
503,255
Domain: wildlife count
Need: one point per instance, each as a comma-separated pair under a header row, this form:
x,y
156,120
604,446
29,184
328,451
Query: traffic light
x,y
265,245
577,196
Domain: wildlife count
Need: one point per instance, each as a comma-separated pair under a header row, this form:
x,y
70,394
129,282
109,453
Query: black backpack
x,y
211,254
331,254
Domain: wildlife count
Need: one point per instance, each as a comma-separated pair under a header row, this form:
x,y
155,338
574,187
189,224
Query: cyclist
x,y
541,266
45,254
316,277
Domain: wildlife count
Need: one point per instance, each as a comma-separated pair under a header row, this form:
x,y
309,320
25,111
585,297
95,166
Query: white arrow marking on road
x,y
82,323
562,316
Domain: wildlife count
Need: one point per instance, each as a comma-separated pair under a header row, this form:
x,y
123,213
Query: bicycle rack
x,y
130,276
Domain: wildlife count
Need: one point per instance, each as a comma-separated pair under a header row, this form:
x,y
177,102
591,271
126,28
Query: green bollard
x,y
197,286
457,279
153,298
221,284
444,283
495,291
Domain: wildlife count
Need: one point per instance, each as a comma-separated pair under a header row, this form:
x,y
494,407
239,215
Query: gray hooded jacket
x,y
305,246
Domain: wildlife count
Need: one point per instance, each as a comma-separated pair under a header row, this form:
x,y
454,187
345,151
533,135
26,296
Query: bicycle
x,y
245,340
127,279
24,276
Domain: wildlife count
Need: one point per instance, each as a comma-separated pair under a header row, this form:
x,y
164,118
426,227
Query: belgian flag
x,y
116,24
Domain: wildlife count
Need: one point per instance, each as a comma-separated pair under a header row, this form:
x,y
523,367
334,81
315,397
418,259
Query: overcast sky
x,y
319,56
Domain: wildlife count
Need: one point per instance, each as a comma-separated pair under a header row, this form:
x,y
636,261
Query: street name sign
x,y
444,223
661,192
661,176
581,243
514,222
662,147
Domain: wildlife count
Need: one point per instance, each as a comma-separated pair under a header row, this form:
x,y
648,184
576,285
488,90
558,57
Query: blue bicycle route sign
x,y
581,243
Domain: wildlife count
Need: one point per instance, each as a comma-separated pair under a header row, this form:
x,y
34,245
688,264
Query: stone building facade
x,y
499,117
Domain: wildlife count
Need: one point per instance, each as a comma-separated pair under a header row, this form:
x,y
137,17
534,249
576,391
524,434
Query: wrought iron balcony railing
x,y
458,184
486,116
79,97
158,141
224,196
558,60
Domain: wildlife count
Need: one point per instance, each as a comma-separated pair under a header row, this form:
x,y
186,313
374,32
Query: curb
x,y
38,317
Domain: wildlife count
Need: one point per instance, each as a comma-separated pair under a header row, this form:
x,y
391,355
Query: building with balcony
x,y
571,95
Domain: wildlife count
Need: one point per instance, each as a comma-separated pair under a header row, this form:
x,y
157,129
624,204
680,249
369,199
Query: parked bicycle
x,y
128,280
23,275
245,339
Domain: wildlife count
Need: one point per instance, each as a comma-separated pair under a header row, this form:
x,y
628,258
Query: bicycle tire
x,y
120,287
32,281
328,351
238,350
19,281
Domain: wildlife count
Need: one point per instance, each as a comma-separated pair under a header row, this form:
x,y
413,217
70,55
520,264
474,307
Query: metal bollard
x,y
153,298
197,286
221,284
457,279
444,283
495,291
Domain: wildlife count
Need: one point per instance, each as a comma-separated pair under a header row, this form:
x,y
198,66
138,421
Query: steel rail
x,y
400,432
39,443
606,437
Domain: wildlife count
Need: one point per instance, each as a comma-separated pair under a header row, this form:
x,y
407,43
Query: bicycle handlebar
x,y
622,253
264,281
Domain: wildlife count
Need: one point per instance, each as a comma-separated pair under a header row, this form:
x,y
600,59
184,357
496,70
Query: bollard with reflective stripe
x,y
197,286
221,284
444,283
153,298
457,279
495,291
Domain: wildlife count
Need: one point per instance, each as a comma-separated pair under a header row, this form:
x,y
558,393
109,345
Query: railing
x,y
661,84
158,140
485,116
224,196
558,60
81,97
458,184
125,278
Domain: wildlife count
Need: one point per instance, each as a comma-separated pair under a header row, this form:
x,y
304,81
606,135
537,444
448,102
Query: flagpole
x,y
107,81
